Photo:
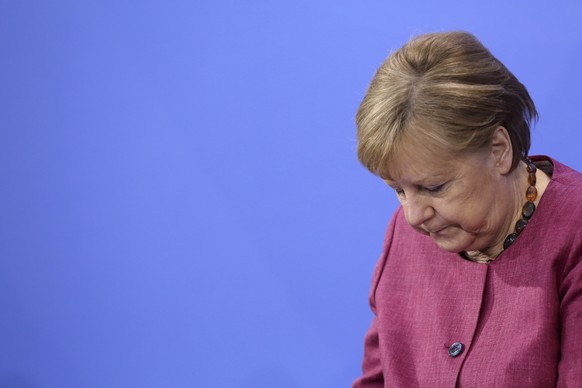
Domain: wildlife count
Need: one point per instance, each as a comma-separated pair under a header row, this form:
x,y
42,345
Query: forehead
x,y
421,173
418,159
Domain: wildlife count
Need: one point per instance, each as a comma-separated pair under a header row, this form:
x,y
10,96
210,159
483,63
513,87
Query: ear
x,y
502,150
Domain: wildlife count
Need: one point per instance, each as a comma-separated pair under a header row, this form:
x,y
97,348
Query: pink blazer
x,y
442,321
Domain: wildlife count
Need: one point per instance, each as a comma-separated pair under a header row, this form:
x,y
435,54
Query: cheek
x,y
467,216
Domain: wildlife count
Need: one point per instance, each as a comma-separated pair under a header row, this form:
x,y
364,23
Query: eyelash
x,y
435,189
432,190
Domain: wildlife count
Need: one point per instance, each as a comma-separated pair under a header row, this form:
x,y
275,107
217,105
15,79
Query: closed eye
x,y
434,189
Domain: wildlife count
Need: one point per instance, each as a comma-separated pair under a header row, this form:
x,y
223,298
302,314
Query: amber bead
x,y
531,179
509,240
528,209
520,225
531,194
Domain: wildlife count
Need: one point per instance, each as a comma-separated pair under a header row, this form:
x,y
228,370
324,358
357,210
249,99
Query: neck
x,y
518,187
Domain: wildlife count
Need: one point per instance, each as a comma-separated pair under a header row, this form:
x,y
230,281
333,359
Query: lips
x,y
430,231
435,230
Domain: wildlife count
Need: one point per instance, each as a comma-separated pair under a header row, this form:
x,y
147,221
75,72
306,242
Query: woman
x,y
480,281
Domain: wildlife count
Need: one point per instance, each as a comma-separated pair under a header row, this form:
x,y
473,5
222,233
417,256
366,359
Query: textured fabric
x,y
519,318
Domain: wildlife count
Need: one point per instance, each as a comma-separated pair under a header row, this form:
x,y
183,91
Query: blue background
x,y
180,200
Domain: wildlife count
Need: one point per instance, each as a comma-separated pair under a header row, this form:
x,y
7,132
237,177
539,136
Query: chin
x,y
450,248
453,245
455,240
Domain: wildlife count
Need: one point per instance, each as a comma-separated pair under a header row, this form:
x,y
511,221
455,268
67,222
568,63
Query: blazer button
x,y
456,349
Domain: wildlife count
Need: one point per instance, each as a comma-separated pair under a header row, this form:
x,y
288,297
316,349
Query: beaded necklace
x,y
529,208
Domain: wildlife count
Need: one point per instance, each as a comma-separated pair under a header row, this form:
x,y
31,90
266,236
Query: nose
x,y
418,210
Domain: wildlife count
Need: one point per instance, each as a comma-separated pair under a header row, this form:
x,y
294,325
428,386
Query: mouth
x,y
433,232
437,231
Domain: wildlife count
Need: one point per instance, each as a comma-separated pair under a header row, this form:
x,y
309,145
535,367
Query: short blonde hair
x,y
446,90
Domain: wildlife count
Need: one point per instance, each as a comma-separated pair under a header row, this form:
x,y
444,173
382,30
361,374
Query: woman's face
x,y
464,203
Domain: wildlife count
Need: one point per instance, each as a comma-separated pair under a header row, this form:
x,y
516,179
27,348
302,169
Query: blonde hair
x,y
445,90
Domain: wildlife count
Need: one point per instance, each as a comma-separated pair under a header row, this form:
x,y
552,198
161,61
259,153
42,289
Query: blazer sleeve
x,y
570,364
372,374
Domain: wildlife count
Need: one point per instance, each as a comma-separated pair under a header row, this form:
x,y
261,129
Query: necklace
x,y
529,208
